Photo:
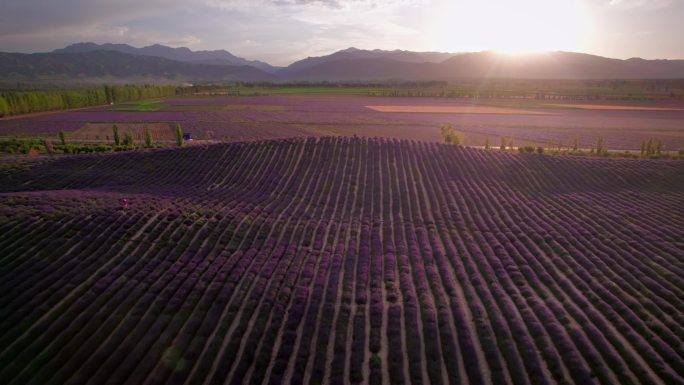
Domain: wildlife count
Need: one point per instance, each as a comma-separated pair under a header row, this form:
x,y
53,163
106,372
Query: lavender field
x,y
623,125
341,260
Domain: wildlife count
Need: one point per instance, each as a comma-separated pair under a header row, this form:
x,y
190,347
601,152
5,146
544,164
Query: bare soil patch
x,y
614,107
252,107
463,109
103,131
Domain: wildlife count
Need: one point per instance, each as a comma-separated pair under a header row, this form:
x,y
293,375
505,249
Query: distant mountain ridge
x,y
486,64
121,61
101,65
360,54
217,57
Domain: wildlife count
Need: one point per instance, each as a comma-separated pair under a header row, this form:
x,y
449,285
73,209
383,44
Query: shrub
x,y
643,148
453,138
449,135
62,137
128,139
651,149
49,147
33,151
600,146
102,148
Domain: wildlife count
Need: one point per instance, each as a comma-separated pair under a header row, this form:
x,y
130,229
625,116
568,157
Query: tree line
x,y
25,102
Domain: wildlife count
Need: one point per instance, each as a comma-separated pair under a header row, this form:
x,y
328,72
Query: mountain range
x,y
183,54
112,66
90,61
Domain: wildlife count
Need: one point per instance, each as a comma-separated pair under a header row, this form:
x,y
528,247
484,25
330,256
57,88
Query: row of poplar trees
x,y
26,102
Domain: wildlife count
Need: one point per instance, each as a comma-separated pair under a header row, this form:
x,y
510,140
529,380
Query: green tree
x,y
453,137
21,102
108,94
115,131
600,146
4,107
643,148
449,135
650,149
148,138
62,137
444,130
128,138
179,135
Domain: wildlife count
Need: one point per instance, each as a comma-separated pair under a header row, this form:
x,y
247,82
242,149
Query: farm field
x,y
341,260
623,125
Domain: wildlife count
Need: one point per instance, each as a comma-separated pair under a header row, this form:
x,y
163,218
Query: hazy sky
x,y
282,31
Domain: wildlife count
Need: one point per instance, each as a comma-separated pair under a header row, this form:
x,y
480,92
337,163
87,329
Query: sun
x,y
508,26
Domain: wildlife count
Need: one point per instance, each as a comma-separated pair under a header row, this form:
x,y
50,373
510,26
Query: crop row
x,y
341,260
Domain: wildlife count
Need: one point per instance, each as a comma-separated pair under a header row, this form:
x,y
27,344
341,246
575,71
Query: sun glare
x,y
509,26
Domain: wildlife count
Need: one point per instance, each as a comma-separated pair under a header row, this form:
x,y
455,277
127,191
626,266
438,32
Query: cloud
x,y
37,15
183,41
640,4
281,31
118,31
295,6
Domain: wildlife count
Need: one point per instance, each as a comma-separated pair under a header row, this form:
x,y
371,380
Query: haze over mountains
x,y
90,62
